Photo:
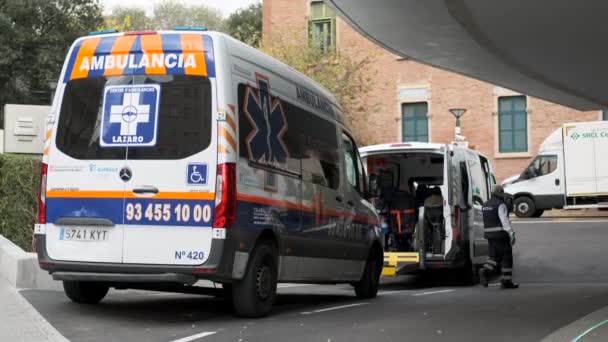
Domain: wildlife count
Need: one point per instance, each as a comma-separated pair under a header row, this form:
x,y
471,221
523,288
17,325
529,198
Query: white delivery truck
x,y
568,172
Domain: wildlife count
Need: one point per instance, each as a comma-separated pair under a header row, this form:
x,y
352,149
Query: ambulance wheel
x,y
367,287
254,295
538,213
472,274
524,207
85,292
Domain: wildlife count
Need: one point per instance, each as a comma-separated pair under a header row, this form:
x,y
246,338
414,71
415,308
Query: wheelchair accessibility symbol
x,y
197,174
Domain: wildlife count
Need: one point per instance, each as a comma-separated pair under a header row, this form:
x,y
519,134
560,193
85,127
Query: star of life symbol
x,y
265,142
129,114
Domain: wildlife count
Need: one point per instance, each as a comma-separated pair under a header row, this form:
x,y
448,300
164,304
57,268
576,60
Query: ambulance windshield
x,y
154,116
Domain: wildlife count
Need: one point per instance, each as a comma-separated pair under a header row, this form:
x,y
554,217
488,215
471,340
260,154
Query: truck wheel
x,y
367,287
538,213
254,295
524,207
85,292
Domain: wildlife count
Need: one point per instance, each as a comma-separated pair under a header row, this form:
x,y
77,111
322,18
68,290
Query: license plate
x,y
84,234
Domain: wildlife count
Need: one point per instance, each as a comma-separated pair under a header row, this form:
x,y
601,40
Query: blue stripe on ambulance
x,y
209,56
172,43
199,213
104,48
136,53
71,61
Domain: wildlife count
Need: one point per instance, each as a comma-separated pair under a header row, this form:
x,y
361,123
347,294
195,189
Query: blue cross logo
x,y
265,142
130,115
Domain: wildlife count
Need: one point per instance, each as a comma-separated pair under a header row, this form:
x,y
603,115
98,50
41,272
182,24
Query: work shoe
x,y
508,285
483,277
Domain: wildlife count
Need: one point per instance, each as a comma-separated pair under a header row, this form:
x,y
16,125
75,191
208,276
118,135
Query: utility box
x,y
24,128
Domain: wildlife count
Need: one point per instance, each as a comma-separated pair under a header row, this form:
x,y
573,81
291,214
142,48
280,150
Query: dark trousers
x,y
501,254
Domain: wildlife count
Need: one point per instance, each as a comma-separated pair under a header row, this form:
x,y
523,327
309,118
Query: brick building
x,y
506,126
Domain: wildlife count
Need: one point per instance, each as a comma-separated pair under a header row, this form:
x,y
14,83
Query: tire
x,y
524,207
538,213
254,295
85,292
367,287
471,274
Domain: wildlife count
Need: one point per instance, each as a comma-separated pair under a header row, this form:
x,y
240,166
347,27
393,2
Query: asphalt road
x,y
561,266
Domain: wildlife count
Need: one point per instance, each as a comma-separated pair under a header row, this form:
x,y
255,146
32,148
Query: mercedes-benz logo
x,y
125,174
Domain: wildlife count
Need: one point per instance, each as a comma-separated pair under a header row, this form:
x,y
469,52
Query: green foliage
x,y
34,38
19,178
166,16
246,24
348,76
128,19
171,13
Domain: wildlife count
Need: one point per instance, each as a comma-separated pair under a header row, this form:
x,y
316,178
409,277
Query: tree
x,y
34,38
170,13
246,24
348,76
128,19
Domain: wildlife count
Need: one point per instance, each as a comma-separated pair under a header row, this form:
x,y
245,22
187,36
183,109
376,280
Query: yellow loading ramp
x,y
396,263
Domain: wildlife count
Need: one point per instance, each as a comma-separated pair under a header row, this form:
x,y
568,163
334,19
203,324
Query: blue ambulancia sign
x,y
130,115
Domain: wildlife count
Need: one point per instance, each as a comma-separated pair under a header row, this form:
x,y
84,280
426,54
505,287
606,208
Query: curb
x,y
21,269
576,330
35,318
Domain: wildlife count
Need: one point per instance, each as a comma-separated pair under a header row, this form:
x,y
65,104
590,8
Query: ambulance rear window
x,y
184,117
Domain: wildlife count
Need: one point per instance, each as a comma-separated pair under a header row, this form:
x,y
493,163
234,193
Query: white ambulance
x,y
183,155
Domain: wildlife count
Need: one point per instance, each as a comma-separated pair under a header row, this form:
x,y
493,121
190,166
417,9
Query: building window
x,y
414,122
322,26
605,114
512,124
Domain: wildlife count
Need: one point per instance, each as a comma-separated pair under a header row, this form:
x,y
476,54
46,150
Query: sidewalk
x,y
20,322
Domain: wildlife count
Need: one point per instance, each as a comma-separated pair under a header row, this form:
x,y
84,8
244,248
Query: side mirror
x,y
372,185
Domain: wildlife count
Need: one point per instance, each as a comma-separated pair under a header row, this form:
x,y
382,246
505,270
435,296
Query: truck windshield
x,y
540,166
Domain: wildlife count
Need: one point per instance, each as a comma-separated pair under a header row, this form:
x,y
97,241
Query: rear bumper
x,y
217,268
182,279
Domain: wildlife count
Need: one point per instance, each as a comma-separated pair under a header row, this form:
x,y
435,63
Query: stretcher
x,y
399,263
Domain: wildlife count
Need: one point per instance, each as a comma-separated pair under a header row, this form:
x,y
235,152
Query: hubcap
x,y
523,207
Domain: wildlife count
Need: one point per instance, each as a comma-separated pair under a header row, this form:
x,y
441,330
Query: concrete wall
x,y
21,268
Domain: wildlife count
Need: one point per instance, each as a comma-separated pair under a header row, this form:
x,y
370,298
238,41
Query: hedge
x,y
19,178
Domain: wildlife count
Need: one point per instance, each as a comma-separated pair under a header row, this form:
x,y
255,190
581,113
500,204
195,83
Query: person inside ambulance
x,y
501,237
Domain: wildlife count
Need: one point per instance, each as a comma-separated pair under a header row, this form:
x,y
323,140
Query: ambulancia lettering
x,y
157,60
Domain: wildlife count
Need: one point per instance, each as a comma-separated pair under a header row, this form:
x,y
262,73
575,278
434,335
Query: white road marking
x,y
391,292
332,308
432,292
557,221
196,337
286,286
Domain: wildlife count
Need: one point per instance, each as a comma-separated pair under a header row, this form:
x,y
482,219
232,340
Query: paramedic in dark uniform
x,y
501,236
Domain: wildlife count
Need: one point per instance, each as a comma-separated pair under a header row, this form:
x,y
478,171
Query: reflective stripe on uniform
x,y
491,262
492,230
488,267
506,277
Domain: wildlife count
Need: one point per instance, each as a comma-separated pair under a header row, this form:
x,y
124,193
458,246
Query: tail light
x,y
42,194
225,196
